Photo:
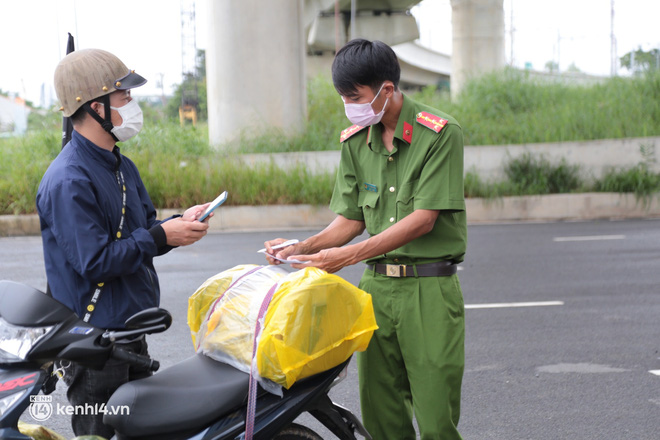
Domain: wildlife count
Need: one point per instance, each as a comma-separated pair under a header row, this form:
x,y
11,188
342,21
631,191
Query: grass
x,y
530,175
639,179
325,121
508,107
527,175
23,161
512,108
180,169
178,173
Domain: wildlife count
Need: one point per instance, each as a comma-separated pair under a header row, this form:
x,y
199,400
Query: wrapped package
x,y
313,322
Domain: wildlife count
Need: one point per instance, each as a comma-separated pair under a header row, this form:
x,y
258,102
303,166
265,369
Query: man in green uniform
x,y
401,177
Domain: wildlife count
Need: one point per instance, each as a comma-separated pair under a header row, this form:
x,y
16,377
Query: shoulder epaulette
x,y
350,131
435,123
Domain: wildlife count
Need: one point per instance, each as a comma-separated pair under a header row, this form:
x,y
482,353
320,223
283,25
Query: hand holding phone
x,y
214,204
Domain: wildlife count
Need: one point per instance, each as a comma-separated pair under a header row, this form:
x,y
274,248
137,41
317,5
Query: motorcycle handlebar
x,y
135,359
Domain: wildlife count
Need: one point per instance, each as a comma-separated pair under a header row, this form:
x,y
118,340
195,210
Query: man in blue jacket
x,y
98,225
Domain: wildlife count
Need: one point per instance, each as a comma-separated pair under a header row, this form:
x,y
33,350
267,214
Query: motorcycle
x,y
196,399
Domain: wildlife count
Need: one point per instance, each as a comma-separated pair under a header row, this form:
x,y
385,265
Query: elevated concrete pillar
x,y
478,39
255,67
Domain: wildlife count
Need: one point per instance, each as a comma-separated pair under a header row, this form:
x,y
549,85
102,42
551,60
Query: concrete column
x,y
478,39
255,67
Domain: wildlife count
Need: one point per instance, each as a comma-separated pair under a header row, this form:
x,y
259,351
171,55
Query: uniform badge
x,y
435,123
350,131
407,132
370,187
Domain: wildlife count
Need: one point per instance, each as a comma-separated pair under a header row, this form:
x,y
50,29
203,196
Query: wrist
x,y
159,236
352,256
304,247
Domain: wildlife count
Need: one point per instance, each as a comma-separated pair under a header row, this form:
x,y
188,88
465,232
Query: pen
x,y
281,245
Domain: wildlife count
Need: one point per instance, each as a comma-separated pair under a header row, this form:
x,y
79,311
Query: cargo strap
x,y
252,389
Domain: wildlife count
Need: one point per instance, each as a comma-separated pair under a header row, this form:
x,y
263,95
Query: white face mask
x,y
363,114
131,115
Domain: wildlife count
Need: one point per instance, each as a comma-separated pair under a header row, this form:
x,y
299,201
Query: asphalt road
x,y
588,368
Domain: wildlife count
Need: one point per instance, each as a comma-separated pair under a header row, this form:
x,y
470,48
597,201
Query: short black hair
x,y
79,115
364,63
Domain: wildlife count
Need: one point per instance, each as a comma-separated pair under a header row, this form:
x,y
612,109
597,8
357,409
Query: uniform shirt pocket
x,y
368,202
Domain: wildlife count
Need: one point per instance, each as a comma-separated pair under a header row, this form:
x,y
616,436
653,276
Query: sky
x,y
146,36
567,32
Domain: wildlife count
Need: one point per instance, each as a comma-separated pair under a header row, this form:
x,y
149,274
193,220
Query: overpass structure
x,y
259,54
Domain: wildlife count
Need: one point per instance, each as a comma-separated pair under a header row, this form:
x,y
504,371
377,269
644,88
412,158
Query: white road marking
x,y
590,238
516,304
656,372
582,367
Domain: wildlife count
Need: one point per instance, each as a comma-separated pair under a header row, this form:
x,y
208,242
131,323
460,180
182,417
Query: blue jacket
x,y
79,203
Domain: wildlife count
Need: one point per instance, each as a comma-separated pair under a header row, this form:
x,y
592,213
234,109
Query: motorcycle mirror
x,y
149,318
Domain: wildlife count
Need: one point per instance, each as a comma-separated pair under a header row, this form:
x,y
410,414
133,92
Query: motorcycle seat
x,y
187,396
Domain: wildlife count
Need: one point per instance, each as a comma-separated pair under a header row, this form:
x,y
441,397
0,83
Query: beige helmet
x,y
87,74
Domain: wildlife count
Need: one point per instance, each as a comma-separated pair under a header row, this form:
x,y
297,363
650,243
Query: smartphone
x,y
214,204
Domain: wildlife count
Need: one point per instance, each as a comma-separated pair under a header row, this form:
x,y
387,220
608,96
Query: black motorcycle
x,y
198,398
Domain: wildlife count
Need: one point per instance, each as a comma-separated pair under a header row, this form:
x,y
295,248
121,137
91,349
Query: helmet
x,y
87,74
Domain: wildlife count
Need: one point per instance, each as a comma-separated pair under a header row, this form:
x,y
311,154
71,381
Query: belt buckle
x,y
395,270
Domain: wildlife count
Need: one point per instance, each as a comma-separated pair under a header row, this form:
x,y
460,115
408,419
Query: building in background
x,y
332,24
13,116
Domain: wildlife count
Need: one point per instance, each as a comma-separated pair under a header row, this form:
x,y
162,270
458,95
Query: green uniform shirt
x,y
423,171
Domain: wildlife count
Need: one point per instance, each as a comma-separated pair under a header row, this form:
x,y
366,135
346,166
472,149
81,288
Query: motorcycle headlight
x,y
16,341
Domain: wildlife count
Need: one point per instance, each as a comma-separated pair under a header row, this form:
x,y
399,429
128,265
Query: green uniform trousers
x,y
415,359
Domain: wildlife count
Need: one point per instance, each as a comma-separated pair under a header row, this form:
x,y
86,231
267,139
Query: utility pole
x,y
558,51
161,84
512,30
336,26
353,18
189,76
613,58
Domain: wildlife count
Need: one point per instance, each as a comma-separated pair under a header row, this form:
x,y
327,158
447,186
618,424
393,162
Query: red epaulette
x,y
350,131
435,123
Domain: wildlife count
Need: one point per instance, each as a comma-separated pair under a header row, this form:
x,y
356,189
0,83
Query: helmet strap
x,y
107,122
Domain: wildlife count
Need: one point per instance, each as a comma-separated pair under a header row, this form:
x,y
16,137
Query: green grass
x,y
530,175
180,169
639,179
325,122
23,162
177,165
508,107
511,108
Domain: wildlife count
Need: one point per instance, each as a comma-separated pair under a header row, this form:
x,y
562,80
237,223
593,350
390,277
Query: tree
x,y
638,61
573,68
552,66
191,82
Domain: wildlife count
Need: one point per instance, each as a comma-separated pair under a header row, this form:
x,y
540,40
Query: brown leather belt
x,y
439,269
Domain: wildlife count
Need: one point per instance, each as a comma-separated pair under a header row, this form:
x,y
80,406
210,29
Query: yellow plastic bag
x,y
314,321
200,301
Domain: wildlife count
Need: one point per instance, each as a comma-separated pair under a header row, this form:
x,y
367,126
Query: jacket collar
x,y
108,159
